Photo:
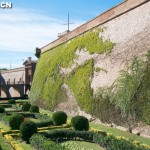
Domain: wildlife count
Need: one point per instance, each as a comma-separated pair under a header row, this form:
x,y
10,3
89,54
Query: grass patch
x,y
117,132
4,126
25,146
4,144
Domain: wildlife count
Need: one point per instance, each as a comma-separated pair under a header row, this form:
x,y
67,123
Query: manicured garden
x,y
26,127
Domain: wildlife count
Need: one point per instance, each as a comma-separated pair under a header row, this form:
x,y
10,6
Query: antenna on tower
x,y
68,23
68,30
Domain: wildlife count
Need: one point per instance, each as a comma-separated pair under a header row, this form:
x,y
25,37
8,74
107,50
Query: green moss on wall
x,y
80,82
47,79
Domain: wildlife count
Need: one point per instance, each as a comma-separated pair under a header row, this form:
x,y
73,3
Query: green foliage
x,y
6,105
15,121
106,110
46,86
59,118
34,109
42,117
80,83
44,123
80,123
110,142
40,142
69,135
75,146
26,106
12,101
132,90
97,69
44,120
27,129
2,109
4,118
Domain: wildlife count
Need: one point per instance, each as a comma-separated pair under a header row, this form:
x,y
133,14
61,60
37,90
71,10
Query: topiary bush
x,y
15,121
34,109
2,109
12,101
80,123
26,106
59,118
27,129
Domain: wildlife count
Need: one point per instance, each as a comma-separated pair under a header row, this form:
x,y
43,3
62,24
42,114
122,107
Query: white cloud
x,y
23,30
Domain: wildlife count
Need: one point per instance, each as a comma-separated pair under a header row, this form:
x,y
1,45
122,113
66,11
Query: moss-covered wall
x,y
47,81
107,53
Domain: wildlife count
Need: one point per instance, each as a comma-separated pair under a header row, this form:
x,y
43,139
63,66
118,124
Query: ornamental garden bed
x,y
55,130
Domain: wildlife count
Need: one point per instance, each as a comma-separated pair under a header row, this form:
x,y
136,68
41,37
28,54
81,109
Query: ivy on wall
x,y
47,80
80,82
132,90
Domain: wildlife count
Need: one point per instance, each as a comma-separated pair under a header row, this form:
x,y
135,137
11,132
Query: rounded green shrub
x,y
34,109
27,129
59,118
12,101
80,123
2,109
15,121
26,106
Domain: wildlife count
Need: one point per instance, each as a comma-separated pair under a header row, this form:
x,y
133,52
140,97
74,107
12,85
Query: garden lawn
x,y
117,132
24,145
88,145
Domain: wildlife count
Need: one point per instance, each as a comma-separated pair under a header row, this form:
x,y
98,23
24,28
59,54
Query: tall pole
x,y
68,21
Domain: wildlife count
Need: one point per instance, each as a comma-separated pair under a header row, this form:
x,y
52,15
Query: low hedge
x,y
42,116
12,101
2,109
6,105
110,142
25,114
69,135
45,123
66,126
3,132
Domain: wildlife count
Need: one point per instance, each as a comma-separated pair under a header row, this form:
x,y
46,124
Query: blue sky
x,y
35,23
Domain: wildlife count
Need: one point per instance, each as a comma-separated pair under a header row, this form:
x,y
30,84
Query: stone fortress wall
x,y
128,26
